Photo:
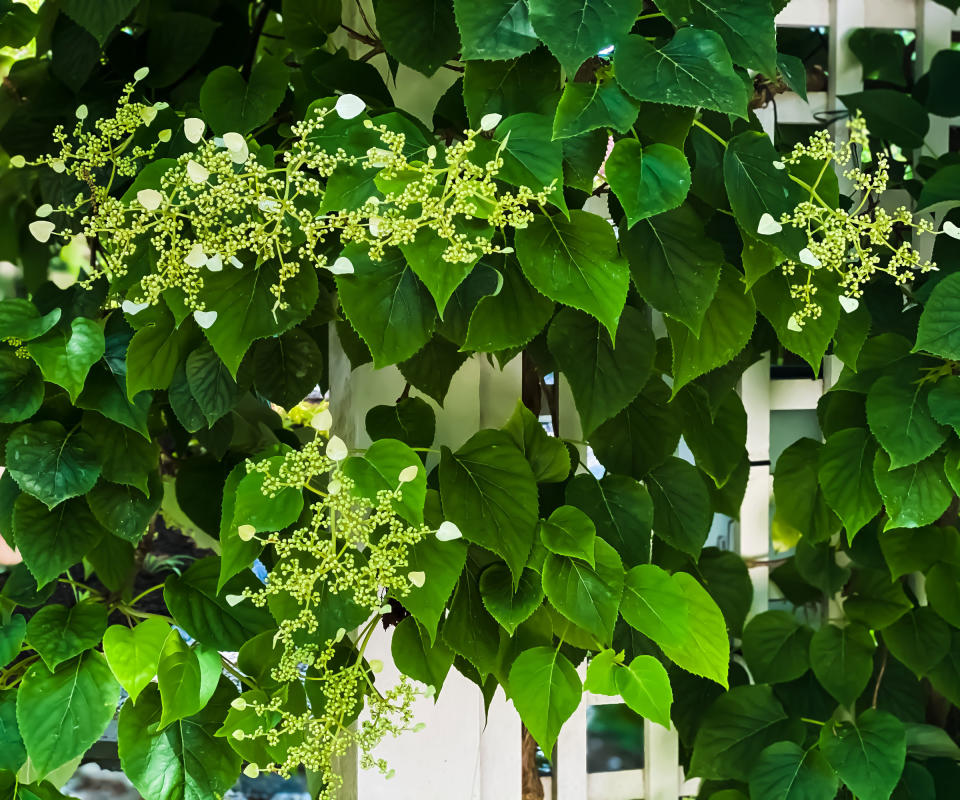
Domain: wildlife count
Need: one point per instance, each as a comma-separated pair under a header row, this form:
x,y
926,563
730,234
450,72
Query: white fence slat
x,y
661,767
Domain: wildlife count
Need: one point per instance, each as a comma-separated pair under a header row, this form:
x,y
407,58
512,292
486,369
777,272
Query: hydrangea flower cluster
x,y
229,202
856,244
353,551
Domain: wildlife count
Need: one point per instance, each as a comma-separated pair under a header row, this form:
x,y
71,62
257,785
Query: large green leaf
x,y
287,368
422,35
105,391
134,653
943,583
569,532
775,646
378,470
50,541
919,639
682,514
736,727
575,30
725,329
469,629
746,26
63,713
588,597
900,419
99,17
126,456
647,180
387,305
249,507
576,262
510,317
603,377
19,319
913,496
756,187
642,436
416,656
12,752
186,678
643,684
154,353
546,691
11,638
678,614
892,115
874,600
674,264
842,660
432,368
622,511
488,490
65,359
123,510
585,107
717,438
210,383
495,30
441,563
21,387
245,307
785,771
692,69
231,103
205,614
547,455
939,331
844,469
944,401
868,753
185,761
528,83
59,633
801,509
507,606
50,463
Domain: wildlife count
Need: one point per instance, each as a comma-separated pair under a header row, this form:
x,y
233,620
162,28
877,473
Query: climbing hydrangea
x,y
226,202
856,244
352,551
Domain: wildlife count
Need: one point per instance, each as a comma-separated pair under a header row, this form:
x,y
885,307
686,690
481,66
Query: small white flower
x,y
236,262
197,172
234,599
808,258
322,420
793,324
849,304
448,531
341,632
376,665
342,266
768,225
193,128
141,73
164,135
215,263
336,449
431,152
409,473
490,121
246,532
349,106
82,112
205,318
18,162
58,166
779,165
238,703
129,307
374,226
268,204
951,230
196,258
41,229
417,578
45,210
251,771
150,199
148,114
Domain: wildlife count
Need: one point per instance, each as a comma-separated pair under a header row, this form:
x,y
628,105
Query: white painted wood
x,y
570,764
661,757
795,394
625,784
792,110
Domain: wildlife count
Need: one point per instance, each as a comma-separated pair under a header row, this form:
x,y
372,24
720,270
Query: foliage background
x,y
853,692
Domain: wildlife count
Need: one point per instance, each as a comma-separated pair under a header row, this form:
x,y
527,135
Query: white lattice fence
x,y
463,753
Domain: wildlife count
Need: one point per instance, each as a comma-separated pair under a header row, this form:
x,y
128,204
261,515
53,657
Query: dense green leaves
x,y
775,645
21,388
622,511
232,103
134,653
65,358
900,419
58,633
51,463
497,30
785,771
692,69
939,331
643,684
681,505
913,496
508,606
845,474
423,35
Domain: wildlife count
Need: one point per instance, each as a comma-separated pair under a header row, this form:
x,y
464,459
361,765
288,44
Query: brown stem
x,y
531,786
883,668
